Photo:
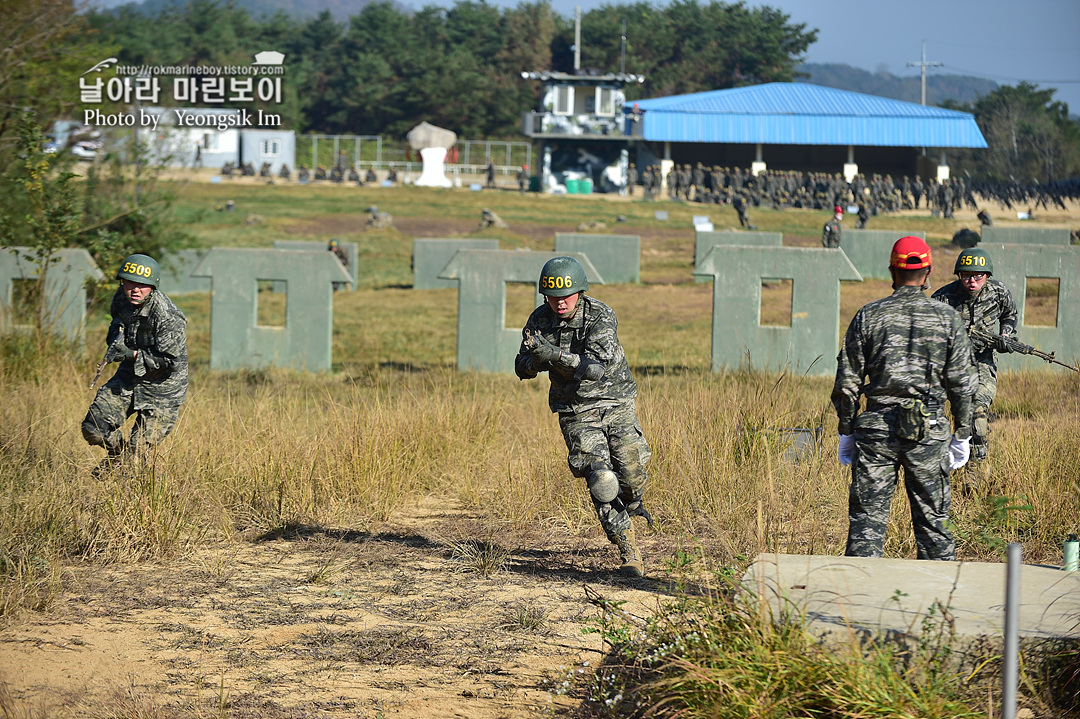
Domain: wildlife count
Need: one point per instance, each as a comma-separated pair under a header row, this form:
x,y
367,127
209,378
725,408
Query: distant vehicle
x,y
85,150
50,148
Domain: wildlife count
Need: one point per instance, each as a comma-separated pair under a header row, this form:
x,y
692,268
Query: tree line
x,y
386,68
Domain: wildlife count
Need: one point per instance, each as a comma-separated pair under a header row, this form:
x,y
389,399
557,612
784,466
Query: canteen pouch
x,y
912,420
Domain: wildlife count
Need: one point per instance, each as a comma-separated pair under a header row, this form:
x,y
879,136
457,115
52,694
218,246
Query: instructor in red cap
x,y
906,354
830,236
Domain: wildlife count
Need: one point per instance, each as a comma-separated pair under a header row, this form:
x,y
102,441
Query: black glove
x,y
1001,344
119,352
543,350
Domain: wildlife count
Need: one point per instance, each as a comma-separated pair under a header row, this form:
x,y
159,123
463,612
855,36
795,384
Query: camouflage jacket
x,y
589,339
157,331
830,234
905,346
992,309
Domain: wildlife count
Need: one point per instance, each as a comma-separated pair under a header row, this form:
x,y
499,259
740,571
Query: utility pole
x,y
622,53
924,64
577,39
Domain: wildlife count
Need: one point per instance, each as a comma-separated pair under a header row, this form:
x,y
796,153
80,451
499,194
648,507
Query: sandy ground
x,y
327,624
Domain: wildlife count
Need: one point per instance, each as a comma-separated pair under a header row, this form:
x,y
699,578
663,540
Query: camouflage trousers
x,y
980,410
874,473
609,438
114,403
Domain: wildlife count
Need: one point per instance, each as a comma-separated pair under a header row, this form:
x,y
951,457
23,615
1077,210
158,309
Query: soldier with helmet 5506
x,y
574,338
148,338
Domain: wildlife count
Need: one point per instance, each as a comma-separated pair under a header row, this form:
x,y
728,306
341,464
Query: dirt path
x,y
327,624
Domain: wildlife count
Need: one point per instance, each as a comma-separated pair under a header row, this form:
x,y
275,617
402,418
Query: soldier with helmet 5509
x,y
148,338
574,338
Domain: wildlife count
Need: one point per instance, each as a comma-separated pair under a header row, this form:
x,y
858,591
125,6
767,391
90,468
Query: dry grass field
x,y
394,538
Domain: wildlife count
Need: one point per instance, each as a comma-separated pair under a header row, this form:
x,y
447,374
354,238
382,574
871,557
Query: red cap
x,y
910,253
838,210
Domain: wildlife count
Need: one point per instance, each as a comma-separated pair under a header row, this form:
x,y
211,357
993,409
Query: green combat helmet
x,y
562,277
140,268
973,260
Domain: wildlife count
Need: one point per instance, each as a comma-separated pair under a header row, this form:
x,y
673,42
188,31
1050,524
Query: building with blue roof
x,y
797,126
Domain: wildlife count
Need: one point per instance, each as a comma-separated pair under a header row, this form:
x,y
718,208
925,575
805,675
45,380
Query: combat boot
x,y
632,566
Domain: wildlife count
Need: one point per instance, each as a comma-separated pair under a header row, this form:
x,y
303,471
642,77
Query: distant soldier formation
x,y
873,195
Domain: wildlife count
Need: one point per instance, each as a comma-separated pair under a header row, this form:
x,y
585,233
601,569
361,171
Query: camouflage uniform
x,y
994,311
598,418
830,234
909,347
152,385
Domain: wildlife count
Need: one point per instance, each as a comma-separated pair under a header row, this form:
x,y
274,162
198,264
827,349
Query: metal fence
x,y
468,157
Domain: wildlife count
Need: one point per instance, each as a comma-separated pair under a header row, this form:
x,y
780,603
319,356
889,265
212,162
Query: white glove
x,y
959,452
847,449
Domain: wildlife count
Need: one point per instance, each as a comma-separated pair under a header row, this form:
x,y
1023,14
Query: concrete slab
x,y
431,255
351,250
65,287
1025,236
176,270
1013,265
842,597
616,257
869,250
484,344
705,240
810,343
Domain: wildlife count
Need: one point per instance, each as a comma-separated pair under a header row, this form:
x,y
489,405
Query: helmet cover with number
x,y
973,260
562,277
140,268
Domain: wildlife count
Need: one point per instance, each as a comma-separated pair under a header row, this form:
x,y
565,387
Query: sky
x,y
1006,41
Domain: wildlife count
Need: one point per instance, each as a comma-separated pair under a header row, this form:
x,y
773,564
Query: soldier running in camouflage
x,y
574,338
148,337
983,303
905,353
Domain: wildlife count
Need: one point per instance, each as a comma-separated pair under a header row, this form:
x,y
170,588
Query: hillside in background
x,y
939,87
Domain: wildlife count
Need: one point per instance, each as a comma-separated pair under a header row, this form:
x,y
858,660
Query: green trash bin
x,y
571,187
534,183
585,186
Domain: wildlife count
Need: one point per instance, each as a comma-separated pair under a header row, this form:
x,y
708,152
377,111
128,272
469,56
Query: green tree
x,y
1030,136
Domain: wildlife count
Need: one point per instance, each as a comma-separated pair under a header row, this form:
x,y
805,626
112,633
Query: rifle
x,y
107,357
1011,345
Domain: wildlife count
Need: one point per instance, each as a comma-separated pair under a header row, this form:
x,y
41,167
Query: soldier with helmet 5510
x,y
574,338
148,338
985,304
906,354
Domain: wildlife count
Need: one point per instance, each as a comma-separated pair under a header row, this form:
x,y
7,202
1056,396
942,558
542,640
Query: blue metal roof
x,y
783,113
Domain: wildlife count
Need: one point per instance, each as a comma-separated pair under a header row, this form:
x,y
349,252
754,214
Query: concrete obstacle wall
x,y
351,250
304,342
65,288
616,257
1013,264
705,241
431,255
484,344
811,343
1023,236
176,270
869,250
